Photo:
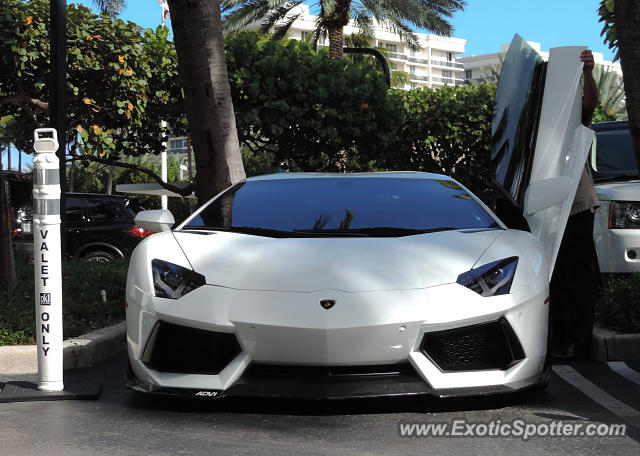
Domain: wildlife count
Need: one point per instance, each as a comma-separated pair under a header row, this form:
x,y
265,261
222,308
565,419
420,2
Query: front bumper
x,y
288,342
616,248
404,383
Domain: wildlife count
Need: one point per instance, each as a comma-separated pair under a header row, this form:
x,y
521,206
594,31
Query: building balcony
x,y
448,64
414,77
396,56
406,58
450,81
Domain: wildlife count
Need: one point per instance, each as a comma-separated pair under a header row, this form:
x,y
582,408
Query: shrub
x,y
307,111
83,310
619,304
448,131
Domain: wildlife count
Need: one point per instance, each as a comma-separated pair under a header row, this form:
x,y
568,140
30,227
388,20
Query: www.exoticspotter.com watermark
x,y
514,428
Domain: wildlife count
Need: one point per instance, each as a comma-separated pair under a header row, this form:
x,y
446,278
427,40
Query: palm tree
x,y
197,31
111,7
397,16
621,32
610,92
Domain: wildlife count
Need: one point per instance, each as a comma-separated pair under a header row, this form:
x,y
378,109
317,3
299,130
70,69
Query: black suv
x,y
97,227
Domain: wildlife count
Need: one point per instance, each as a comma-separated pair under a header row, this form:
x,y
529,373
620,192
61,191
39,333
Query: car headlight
x,y
491,279
624,215
173,281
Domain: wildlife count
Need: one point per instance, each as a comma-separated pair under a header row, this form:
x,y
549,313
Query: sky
x,y
485,24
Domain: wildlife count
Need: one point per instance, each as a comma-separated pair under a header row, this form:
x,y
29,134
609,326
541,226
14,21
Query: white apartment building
x,y
433,65
479,67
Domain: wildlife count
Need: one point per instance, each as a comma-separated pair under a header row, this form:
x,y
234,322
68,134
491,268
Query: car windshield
x,y
368,206
614,157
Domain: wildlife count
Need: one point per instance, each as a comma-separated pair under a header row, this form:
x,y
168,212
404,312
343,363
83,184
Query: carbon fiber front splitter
x,y
308,387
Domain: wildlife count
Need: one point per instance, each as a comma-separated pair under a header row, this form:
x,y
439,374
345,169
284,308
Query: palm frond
x,y
112,7
281,30
278,14
242,13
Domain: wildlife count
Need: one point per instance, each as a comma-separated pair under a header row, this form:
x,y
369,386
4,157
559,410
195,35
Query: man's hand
x,y
587,57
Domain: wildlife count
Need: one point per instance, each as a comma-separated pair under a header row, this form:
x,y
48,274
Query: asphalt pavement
x,y
121,422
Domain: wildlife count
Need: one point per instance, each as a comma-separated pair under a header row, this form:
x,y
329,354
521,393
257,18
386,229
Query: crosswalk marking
x,y
621,368
595,393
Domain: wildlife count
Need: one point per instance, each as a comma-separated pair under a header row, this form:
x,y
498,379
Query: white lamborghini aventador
x,y
359,285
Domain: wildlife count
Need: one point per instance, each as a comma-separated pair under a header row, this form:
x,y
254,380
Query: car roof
x,y
373,175
606,126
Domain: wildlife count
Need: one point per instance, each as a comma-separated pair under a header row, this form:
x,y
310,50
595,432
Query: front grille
x,y
328,372
491,345
175,348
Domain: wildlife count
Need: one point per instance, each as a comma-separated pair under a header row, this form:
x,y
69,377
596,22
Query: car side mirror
x,y
157,220
546,193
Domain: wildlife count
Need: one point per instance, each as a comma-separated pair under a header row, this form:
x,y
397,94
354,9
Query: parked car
x,y
616,231
373,284
97,227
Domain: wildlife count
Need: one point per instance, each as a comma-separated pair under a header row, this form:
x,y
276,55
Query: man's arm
x,y
590,91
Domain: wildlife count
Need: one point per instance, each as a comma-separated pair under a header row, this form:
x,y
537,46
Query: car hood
x,y
357,264
618,191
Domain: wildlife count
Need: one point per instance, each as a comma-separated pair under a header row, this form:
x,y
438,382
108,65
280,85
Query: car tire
x,y
98,256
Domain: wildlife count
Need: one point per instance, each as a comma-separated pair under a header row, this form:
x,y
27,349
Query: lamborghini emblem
x,y
327,303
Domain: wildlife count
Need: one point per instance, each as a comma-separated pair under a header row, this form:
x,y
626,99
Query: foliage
x,y
619,304
121,80
610,86
606,11
396,16
309,112
447,131
83,309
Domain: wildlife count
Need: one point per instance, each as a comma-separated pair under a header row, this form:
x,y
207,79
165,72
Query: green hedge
x,y
296,109
447,131
619,304
83,310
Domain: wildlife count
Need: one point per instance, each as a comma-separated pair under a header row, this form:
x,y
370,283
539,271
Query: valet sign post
x,y
47,259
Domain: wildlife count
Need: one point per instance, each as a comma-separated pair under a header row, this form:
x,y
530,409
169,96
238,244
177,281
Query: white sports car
x,y
361,285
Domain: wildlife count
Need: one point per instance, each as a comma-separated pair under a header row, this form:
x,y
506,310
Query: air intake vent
x,y
491,345
175,348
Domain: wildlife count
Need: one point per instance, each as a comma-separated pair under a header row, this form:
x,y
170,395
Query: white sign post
x,y
47,259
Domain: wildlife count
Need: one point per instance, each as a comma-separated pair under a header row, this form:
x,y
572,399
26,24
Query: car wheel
x,y
98,256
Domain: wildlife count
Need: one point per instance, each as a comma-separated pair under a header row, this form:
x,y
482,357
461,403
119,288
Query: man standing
x,y
573,285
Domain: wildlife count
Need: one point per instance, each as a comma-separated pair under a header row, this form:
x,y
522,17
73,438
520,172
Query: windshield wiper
x,y
377,231
397,231
619,177
270,232
247,230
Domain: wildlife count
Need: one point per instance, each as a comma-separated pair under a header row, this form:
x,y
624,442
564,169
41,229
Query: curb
x,y
82,351
608,345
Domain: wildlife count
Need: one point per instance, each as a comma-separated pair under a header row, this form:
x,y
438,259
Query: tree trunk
x,y
7,267
336,43
627,23
335,23
197,28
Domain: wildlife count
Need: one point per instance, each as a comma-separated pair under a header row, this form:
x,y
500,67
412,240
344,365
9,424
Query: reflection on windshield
x,y
371,205
614,154
515,118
